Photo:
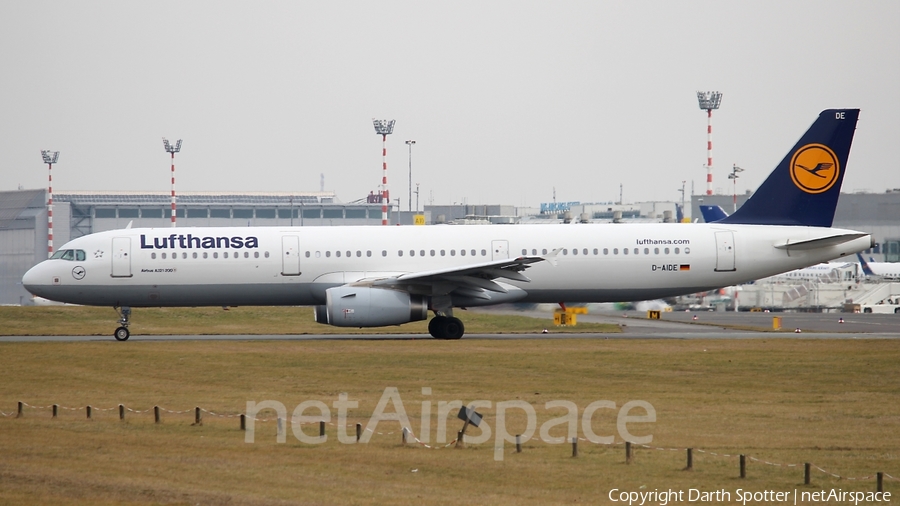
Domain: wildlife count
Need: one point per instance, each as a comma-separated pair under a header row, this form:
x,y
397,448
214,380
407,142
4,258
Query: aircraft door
x,y
725,251
290,255
121,257
499,250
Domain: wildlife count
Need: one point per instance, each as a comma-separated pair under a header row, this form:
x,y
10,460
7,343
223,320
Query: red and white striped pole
x,y
385,198
384,128
173,189
709,186
708,101
50,210
50,157
172,150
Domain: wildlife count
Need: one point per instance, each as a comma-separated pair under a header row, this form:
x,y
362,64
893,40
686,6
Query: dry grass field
x,y
787,401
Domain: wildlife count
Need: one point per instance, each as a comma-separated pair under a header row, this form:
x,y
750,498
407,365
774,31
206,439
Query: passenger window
x,y
337,254
194,254
412,252
585,251
534,252
205,255
596,252
606,251
215,254
358,253
368,253
163,256
267,254
636,251
666,251
327,254
349,254
473,252
524,251
307,254
574,251
544,251
676,251
224,254
400,253
153,256
615,251
256,254
431,253
462,252
687,251
443,252
384,252
624,251
453,252
656,251
646,251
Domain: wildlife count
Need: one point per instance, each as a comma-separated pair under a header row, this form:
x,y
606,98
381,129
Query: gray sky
x,y
506,100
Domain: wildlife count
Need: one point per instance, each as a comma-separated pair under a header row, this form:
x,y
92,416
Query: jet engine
x,y
351,306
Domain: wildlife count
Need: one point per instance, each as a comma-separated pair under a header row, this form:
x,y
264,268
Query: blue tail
x,y
712,213
804,188
865,266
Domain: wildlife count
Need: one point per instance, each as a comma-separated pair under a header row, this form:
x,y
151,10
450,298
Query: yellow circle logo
x,y
815,168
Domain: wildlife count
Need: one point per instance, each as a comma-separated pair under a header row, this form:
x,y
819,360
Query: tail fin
x,y
865,265
804,188
712,213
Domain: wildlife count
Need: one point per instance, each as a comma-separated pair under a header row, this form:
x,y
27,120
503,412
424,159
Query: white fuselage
x,y
295,265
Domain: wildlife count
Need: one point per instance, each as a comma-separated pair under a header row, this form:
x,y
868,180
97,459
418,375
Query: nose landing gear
x,y
122,333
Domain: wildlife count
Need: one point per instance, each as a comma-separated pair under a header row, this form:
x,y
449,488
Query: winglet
x,y
804,188
551,257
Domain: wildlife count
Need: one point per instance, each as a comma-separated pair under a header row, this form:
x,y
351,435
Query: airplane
x,y
381,276
884,270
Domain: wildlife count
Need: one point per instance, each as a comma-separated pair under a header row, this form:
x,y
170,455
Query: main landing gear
x,y
122,333
446,327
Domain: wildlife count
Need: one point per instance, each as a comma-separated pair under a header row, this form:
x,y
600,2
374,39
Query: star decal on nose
x,y
98,254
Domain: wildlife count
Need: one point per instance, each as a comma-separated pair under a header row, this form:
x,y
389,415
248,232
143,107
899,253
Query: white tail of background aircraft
x,y
378,276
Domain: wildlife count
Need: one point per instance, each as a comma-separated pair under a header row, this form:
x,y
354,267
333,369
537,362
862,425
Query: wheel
x,y
867,310
122,334
454,328
436,327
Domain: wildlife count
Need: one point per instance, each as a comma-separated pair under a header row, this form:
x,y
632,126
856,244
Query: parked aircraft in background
x,y
379,276
881,270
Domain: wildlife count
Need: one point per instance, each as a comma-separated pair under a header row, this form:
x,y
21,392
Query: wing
x,y
473,280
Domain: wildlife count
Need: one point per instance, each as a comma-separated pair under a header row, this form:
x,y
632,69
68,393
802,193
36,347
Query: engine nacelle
x,y
351,306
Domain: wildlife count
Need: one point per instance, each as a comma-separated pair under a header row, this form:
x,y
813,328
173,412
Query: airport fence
x,y
408,436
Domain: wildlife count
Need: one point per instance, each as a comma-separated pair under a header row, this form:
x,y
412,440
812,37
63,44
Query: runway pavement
x,y
634,325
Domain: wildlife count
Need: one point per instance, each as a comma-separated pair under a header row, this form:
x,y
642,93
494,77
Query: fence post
x,y
690,460
322,428
55,410
88,409
574,446
358,432
197,420
880,481
743,466
243,421
628,455
156,414
459,439
806,473
121,411
19,413
403,435
518,443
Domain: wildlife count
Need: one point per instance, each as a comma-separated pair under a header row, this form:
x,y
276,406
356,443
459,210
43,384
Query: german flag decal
x,y
684,267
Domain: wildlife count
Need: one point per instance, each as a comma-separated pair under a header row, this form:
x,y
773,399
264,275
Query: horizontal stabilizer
x,y
822,242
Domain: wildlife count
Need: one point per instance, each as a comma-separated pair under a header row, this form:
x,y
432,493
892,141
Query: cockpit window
x,y
69,254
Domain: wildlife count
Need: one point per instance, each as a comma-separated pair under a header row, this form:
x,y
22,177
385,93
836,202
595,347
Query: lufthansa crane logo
x,y
78,272
815,168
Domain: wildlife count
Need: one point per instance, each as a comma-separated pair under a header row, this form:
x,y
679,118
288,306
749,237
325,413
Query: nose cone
x,y
37,279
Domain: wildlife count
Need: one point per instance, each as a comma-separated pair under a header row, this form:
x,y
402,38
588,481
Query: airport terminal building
x,y
23,218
